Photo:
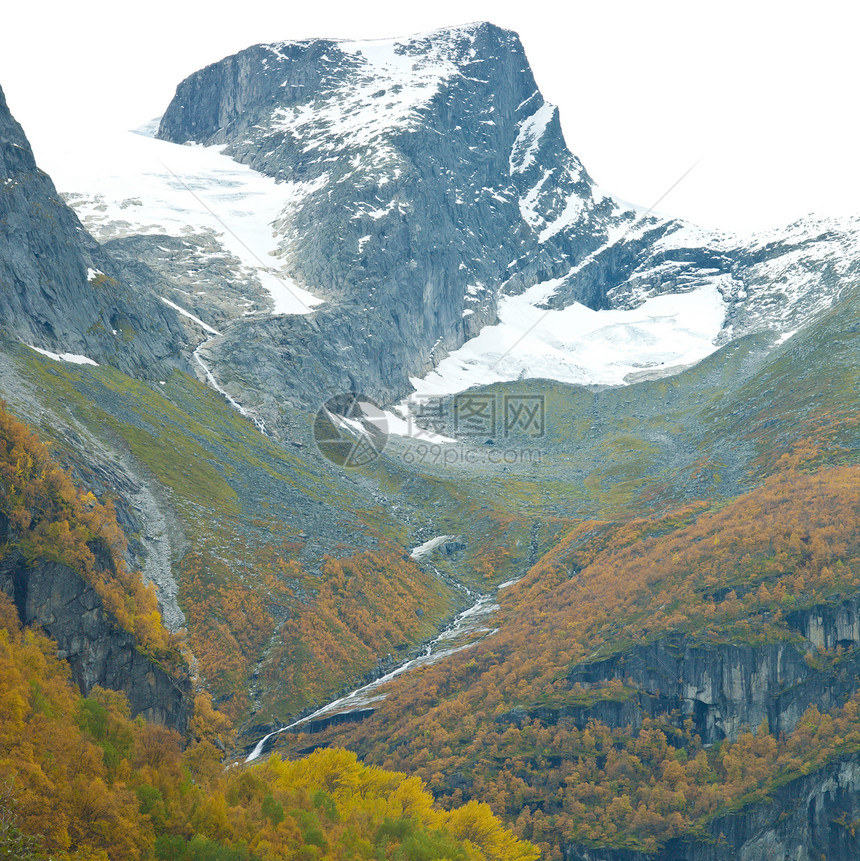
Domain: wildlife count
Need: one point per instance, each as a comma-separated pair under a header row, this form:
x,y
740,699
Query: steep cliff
x,y
99,651
62,563
424,183
727,688
58,289
813,817
404,166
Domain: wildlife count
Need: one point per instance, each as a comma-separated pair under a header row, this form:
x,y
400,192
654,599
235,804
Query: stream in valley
x,y
468,627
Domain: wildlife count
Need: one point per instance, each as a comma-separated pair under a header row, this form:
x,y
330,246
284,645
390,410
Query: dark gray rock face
x,y
58,289
810,818
728,688
59,600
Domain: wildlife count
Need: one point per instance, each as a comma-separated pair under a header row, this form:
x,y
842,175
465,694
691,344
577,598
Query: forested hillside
x,y
80,779
43,516
651,675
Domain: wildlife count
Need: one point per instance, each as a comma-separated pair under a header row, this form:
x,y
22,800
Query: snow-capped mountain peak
x,y
423,189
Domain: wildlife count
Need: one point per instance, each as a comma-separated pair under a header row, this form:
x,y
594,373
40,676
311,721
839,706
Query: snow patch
x,y
408,427
430,546
124,183
508,583
580,346
528,139
572,209
73,358
190,316
391,83
528,202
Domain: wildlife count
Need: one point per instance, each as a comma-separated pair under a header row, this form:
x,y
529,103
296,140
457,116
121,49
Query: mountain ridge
x,y
58,290
596,250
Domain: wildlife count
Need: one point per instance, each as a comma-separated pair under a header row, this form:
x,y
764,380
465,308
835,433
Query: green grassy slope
x,y
260,527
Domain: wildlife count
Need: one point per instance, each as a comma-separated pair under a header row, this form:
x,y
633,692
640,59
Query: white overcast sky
x,y
763,95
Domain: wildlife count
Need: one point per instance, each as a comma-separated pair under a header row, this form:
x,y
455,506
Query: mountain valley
x,y
346,361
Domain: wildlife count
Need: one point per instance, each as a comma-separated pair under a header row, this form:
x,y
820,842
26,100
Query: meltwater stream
x,y
210,377
469,621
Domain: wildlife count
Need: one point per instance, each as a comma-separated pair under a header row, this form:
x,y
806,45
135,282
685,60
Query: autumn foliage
x,y
330,626
364,605
79,781
47,517
710,574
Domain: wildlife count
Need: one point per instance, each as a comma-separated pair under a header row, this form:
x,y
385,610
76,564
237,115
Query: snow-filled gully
x,y
469,621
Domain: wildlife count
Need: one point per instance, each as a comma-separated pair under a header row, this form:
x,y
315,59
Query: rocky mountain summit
x,y
348,216
352,214
412,178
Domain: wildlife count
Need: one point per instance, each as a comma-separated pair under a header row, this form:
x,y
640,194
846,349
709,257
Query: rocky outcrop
x,y
58,289
99,652
726,688
811,818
